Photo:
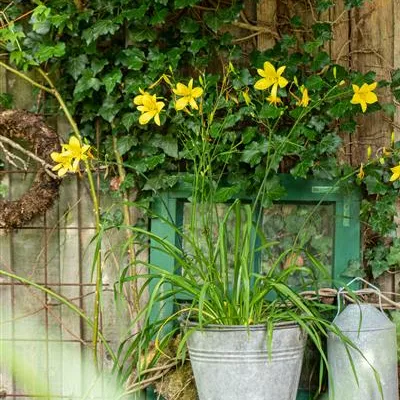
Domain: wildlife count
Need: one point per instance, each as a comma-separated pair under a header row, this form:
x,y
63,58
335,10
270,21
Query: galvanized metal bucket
x,y
233,362
374,335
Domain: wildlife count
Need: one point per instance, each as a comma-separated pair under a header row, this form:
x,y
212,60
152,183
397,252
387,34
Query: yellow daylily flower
x,y
386,152
189,94
270,77
150,108
246,96
75,151
138,100
396,173
305,98
274,99
361,173
364,95
63,161
369,152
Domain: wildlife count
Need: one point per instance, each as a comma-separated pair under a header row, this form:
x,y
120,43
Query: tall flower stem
x,y
51,89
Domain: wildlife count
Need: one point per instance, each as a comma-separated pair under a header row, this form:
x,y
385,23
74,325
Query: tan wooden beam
x,y
266,16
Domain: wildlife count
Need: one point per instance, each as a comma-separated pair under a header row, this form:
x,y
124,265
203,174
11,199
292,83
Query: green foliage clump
x,y
102,54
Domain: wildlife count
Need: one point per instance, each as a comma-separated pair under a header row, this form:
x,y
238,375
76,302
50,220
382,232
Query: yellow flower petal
x,y
269,69
263,84
197,92
282,82
280,70
193,104
181,89
62,171
146,117
371,98
157,119
181,103
261,72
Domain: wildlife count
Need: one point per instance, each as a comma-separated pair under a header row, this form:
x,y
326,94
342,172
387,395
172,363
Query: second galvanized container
x,y
233,362
374,363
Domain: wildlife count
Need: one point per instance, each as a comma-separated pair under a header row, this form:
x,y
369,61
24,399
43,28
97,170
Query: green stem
x,y
26,78
128,232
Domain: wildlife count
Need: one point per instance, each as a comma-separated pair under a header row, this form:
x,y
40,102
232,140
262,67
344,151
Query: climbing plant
x,y
101,53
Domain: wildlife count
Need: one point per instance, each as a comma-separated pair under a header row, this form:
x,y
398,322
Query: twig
x,y
332,293
256,28
47,167
10,157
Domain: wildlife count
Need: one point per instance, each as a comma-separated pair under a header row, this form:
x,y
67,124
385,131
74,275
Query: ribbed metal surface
x,y
234,362
375,337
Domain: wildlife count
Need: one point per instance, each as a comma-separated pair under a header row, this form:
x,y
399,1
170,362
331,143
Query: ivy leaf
x,y
161,181
329,143
322,31
185,3
311,46
253,152
112,79
374,185
353,270
213,21
389,108
249,133
273,191
269,111
132,58
97,65
125,143
353,3
6,101
159,16
393,257
128,119
142,34
224,194
45,52
318,123
109,108
76,65
314,82
145,164
188,25
301,169
99,28
340,109
156,59
197,44
321,60
348,126
167,143
296,21
41,27
86,82
324,5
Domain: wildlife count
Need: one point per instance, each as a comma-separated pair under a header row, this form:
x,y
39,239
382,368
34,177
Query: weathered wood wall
x,y
365,39
55,250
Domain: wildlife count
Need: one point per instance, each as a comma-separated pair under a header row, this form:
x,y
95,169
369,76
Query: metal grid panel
x,y
50,341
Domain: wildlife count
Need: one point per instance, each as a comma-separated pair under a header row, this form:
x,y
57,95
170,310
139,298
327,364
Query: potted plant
x,y
245,329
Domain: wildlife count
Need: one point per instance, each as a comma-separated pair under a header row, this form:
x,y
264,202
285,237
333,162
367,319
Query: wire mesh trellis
x,y
47,339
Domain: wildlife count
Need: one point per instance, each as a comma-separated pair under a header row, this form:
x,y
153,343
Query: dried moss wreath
x,y
42,140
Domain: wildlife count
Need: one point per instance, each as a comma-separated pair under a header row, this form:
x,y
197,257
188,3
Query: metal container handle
x,y
342,290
